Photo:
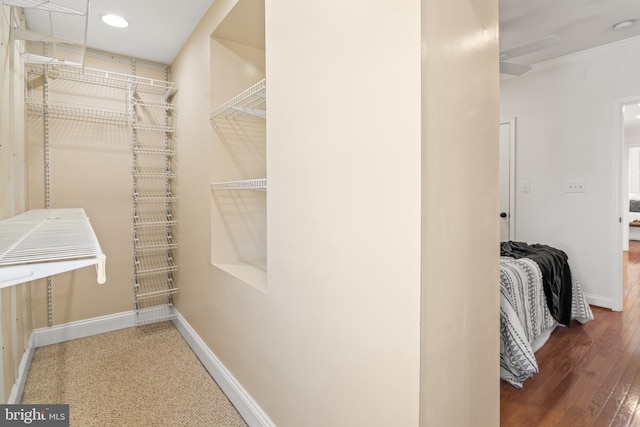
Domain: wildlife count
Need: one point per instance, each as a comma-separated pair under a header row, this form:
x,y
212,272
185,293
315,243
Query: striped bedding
x,y
524,316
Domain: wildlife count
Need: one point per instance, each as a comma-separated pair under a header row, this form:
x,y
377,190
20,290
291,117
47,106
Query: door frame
x,y
511,121
617,210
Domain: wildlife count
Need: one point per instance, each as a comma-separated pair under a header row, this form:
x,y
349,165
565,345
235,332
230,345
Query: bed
x,y
537,293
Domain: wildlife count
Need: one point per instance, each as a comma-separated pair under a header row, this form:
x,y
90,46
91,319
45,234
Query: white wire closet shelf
x,y
154,196
60,25
68,110
252,101
108,78
259,184
45,242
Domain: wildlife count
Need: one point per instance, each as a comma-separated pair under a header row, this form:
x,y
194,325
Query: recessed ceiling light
x,y
115,21
624,25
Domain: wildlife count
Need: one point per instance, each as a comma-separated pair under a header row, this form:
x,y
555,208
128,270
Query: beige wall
x,y
14,302
460,286
335,338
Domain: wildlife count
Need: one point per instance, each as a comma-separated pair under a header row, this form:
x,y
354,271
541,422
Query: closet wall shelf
x,y
107,78
68,110
146,270
151,104
251,101
244,184
154,150
153,220
154,127
151,248
153,173
44,242
164,292
155,313
151,287
154,196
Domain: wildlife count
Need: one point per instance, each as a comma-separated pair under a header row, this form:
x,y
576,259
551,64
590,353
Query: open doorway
x,y
628,125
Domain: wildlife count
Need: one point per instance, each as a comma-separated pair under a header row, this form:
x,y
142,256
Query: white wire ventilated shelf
x,y
149,219
154,242
154,150
152,127
259,184
152,104
154,264
252,101
154,313
68,110
154,196
108,78
56,26
45,242
153,173
152,287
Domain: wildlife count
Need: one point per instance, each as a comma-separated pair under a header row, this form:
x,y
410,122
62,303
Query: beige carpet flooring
x,y
135,377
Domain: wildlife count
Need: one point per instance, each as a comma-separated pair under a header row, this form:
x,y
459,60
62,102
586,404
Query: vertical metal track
x,y
167,186
47,178
134,143
12,182
2,393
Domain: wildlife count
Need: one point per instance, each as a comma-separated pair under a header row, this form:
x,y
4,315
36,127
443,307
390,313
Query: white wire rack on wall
x,y
74,111
46,242
144,106
153,149
252,101
240,205
259,184
128,82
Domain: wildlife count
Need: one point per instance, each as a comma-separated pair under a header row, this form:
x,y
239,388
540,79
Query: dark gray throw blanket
x,y
556,275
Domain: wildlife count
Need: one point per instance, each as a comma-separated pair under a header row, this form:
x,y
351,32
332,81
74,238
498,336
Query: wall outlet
x,y
575,187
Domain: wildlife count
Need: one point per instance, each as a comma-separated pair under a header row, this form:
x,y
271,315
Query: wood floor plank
x,y
589,374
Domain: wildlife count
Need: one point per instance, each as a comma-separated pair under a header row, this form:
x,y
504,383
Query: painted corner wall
x,y
365,242
567,131
334,338
15,302
460,234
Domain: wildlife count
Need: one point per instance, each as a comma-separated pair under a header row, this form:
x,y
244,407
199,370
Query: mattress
x,y
525,319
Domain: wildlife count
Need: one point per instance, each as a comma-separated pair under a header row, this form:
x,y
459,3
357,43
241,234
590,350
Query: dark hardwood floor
x,y
589,374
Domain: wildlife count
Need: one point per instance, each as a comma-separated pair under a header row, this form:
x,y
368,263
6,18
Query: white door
x,y
507,175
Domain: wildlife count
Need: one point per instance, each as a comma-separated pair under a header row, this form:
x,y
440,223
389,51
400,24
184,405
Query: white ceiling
x,y
580,25
158,28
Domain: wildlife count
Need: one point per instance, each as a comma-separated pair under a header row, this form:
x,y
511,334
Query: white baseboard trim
x,y
84,328
244,403
18,387
598,301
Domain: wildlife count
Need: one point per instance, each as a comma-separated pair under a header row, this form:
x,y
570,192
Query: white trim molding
x,y
84,328
25,363
243,402
599,301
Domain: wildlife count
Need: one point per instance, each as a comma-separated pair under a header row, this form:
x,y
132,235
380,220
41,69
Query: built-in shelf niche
x,y
238,117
